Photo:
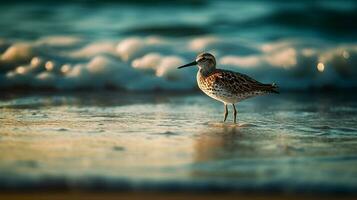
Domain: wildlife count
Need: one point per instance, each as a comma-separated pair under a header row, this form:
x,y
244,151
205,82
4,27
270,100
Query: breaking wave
x,y
149,63
137,46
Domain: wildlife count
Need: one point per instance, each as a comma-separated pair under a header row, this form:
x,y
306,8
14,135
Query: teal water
x,y
293,142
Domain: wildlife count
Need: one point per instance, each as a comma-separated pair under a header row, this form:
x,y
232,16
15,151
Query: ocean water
x,y
69,45
289,143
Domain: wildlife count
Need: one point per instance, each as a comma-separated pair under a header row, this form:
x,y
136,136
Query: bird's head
x,y
204,61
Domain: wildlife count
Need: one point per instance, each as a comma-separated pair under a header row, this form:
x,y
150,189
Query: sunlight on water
x,y
320,67
180,139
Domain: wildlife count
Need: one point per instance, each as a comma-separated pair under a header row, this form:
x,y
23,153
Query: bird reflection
x,y
219,142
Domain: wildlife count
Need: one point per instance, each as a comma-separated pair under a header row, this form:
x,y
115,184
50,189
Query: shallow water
x,y
108,140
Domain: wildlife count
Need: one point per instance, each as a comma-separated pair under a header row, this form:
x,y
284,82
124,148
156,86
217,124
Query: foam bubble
x,y
241,61
129,47
65,68
202,43
168,67
45,76
18,52
20,70
282,58
58,41
220,47
101,65
49,65
134,47
345,54
94,49
148,62
35,61
76,77
78,70
320,67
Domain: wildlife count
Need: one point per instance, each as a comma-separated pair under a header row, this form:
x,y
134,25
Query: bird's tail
x,y
271,88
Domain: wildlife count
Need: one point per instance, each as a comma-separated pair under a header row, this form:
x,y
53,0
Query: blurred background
x,y
137,45
91,100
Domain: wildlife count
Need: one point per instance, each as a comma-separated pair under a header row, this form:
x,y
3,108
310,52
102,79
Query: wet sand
x,y
287,144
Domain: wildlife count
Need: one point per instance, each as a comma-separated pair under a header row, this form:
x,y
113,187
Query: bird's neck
x,y
206,71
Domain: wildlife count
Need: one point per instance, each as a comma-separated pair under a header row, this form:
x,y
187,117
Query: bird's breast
x,y
212,87
202,83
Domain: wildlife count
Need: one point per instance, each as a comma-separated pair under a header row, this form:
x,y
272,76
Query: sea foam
x,y
150,63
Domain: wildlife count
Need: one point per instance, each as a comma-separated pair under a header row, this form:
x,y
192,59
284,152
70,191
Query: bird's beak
x,y
187,65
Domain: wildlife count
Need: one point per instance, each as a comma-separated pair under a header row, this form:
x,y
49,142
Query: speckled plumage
x,y
227,86
231,87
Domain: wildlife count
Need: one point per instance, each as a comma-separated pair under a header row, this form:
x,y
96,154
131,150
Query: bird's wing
x,y
236,82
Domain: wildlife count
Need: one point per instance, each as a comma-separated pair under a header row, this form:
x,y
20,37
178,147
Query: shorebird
x,y
226,86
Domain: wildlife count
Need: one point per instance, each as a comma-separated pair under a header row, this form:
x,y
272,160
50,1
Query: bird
x,y
226,86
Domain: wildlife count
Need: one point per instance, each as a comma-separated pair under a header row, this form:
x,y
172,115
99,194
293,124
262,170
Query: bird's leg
x,y
234,113
225,112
